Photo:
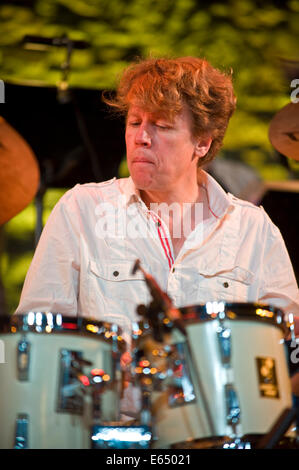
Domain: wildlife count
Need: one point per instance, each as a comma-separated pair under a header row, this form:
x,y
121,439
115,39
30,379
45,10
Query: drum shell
x,y
38,397
250,340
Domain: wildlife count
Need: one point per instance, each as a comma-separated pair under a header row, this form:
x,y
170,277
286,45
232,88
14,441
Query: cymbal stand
x,y
278,430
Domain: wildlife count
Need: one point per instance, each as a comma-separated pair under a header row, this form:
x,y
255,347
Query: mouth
x,y
143,160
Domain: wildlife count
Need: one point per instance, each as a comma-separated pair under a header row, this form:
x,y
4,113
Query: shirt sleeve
x,y
278,283
51,283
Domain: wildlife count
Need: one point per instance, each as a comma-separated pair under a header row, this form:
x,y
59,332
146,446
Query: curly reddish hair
x,y
164,86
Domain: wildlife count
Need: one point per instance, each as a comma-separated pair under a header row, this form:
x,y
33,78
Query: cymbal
x,y
289,186
19,175
284,131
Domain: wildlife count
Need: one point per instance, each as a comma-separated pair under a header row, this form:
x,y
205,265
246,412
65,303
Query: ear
x,y
202,146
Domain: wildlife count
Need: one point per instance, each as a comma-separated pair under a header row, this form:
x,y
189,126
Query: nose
x,y
142,136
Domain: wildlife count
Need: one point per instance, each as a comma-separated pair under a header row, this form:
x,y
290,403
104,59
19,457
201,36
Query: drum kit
x,y
210,376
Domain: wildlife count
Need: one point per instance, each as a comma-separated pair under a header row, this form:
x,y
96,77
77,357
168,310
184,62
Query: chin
x,y
142,181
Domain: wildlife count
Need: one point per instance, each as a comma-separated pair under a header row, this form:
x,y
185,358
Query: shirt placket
x,y
164,238
162,233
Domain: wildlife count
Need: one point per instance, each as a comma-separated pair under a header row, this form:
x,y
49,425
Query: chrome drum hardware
x,y
21,434
70,398
232,407
222,347
231,397
224,340
23,359
60,379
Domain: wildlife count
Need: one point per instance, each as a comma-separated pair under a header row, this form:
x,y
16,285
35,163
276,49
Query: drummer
x,y
199,242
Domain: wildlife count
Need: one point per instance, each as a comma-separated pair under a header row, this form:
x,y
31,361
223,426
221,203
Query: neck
x,y
187,193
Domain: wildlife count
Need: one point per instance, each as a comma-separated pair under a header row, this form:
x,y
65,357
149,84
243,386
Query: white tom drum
x,y
58,377
229,379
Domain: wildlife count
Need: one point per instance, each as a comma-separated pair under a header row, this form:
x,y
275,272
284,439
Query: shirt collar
x,y
218,200
129,190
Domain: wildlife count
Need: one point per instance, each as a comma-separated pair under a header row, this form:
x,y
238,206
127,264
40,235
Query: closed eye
x,y
134,124
163,126
160,126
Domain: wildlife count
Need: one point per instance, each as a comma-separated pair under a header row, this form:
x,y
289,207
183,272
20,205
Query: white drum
x,y
230,379
58,378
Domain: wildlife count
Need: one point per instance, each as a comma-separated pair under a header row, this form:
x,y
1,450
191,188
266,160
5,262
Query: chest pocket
x,y
116,287
115,271
231,285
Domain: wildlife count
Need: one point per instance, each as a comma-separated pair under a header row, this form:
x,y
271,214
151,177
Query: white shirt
x,y
83,262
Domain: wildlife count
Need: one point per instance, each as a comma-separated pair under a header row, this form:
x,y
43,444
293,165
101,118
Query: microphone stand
x,y
64,96
163,304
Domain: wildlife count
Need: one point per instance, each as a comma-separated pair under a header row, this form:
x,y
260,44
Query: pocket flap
x,y
115,270
238,274
235,273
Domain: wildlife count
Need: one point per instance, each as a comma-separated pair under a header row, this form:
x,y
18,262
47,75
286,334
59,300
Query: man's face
x,y
160,153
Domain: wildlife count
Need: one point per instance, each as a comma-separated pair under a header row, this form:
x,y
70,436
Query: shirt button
x,y
115,273
226,285
173,270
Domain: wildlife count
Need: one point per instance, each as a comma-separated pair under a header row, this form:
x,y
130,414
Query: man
x,y
198,242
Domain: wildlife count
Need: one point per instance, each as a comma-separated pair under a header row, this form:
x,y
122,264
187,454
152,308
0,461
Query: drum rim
x,y
48,322
230,311
234,311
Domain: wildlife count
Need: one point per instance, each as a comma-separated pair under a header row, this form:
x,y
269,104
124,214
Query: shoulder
x,y
82,199
247,207
254,215
87,191
243,203
91,187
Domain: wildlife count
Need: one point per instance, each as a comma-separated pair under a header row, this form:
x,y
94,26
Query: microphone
x,y
136,266
162,298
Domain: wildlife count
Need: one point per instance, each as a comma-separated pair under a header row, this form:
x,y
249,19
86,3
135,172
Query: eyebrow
x,y
132,114
153,117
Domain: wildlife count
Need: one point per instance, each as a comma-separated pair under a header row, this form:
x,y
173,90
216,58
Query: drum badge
x,y
267,378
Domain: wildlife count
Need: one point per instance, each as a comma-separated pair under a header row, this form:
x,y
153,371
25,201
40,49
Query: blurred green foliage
x,y
251,37
18,246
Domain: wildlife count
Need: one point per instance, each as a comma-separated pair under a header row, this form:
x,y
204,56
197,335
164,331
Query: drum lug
x,y
233,411
181,382
23,359
21,436
224,339
232,406
70,400
145,413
